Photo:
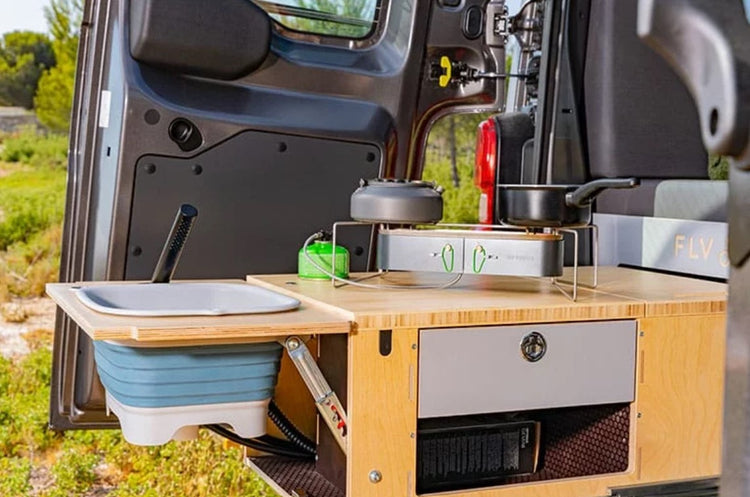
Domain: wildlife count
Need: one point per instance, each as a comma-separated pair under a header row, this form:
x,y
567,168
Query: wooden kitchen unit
x,y
625,385
673,424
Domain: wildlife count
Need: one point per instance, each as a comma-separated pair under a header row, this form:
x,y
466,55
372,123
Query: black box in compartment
x,y
573,442
453,452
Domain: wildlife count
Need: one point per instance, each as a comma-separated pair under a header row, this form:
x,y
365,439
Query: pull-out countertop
x,y
194,330
474,300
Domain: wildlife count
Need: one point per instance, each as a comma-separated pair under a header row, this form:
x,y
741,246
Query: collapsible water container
x,y
162,394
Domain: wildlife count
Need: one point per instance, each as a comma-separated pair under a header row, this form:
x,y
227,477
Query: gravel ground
x,y
39,314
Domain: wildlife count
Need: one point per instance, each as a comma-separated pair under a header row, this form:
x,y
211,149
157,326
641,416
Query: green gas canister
x,y
321,252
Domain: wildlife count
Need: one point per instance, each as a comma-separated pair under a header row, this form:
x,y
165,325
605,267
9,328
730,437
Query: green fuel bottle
x,y
320,251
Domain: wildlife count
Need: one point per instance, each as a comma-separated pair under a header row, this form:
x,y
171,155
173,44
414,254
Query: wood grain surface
x,y
487,300
475,300
680,393
195,330
663,294
382,412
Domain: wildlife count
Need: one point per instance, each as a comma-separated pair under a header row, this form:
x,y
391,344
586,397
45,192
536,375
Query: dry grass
x,y
26,268
39,337
14,312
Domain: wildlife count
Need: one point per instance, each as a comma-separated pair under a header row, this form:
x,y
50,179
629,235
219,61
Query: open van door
x,y
264,116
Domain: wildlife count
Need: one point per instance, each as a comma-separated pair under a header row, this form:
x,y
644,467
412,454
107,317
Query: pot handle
x,y
586,193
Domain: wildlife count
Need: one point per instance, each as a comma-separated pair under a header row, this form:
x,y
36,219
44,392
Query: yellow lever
x,y
445,64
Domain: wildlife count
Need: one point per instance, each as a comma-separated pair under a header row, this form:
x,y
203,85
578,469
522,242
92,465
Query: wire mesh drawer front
x,y
573,442
294,477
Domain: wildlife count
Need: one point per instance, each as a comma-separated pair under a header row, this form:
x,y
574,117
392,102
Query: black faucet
x,y
170,254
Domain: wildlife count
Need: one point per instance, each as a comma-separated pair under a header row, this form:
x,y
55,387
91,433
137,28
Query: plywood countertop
x,y
482,300
195,330
662,294
473,301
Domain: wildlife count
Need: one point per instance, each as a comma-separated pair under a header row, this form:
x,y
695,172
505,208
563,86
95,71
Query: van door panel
x,y
344,109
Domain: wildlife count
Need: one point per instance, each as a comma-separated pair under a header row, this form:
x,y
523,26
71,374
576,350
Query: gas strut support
x,y
328,403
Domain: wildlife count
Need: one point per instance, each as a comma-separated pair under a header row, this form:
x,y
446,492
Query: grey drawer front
x,y
482,370
407,253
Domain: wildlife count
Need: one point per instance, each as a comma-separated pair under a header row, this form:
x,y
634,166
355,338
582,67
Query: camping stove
x,y
474,252
494,250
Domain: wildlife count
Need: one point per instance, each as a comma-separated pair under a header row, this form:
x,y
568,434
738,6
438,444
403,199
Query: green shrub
x,y
30,202
5,376
160,471
15,476
718,167
24,404
29,146
24,216
74,473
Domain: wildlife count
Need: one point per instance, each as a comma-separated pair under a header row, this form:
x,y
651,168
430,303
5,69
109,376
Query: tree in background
x,y
54,98
450,163
353,9
24,56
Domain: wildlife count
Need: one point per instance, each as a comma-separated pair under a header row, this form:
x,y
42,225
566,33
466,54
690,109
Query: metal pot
x,y
391,201
553,206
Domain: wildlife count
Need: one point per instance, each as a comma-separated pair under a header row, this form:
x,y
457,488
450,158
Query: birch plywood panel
x,y
475,300
680,397
194,330
664,295
382,412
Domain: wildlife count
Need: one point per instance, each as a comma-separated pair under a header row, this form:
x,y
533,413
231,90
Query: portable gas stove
x,y
494,250
409,238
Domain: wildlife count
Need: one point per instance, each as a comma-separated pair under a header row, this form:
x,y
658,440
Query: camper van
x,y
250,246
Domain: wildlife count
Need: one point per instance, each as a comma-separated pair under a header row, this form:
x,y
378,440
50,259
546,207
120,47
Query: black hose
x,y
277,442
298,446
269,445
289,430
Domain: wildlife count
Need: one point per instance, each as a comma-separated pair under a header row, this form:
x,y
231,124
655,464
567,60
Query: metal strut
x,y
327,402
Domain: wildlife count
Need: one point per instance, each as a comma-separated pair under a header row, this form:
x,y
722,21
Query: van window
x,y
343,18
449,162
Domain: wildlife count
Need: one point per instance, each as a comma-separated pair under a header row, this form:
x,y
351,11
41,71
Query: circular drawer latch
x,y
533,346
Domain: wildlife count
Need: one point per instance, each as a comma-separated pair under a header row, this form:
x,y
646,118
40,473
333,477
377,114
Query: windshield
x,y
344,18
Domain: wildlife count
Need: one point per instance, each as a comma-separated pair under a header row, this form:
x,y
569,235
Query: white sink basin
x,y
183,299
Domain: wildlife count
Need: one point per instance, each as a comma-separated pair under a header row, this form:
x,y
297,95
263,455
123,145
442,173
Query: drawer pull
x,y
533,347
